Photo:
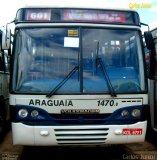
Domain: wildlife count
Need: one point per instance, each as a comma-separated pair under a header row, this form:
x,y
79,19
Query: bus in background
x,y
77,77
5,52
152,71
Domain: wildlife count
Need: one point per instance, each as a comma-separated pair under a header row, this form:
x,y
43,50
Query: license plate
x,y
132,131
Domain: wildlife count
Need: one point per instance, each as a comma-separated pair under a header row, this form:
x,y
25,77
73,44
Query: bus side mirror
x,y
6,39
148,40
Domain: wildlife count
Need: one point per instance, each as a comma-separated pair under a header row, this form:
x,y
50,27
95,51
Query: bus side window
x,y
111,52
6,61
130,49
116,53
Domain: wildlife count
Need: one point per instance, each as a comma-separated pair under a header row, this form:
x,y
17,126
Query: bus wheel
x,y
2,111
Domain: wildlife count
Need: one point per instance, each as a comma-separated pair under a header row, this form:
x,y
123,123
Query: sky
x,y
147,9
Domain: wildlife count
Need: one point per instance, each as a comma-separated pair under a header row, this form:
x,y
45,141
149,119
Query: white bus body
x,y
4,83
152,82
78,77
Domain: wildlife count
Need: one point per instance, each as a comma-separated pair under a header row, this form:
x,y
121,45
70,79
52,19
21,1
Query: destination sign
x,y
72,15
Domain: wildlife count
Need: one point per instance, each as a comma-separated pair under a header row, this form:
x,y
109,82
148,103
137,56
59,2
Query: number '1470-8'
x,y
107,102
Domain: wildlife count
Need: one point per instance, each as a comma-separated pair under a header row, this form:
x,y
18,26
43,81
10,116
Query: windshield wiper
x,y
113,94
63,81
99,60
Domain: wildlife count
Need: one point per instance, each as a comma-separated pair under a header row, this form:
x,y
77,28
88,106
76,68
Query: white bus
x,y
151,59
78,77
4,82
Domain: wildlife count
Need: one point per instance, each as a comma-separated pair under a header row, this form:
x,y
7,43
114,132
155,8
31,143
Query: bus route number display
x,y
38,15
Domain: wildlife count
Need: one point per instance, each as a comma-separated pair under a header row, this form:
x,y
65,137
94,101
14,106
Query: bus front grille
x,y
81,136
80,118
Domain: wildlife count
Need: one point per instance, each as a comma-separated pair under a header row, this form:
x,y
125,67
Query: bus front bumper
x,y
78,135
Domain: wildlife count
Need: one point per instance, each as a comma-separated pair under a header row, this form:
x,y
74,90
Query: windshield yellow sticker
x,y
72,33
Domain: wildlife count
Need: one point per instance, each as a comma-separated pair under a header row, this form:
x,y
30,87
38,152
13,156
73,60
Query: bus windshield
x,y
45,56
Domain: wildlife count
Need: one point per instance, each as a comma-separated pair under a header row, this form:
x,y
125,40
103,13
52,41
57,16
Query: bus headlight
x,y
124,113
136,113
34,113
23,113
